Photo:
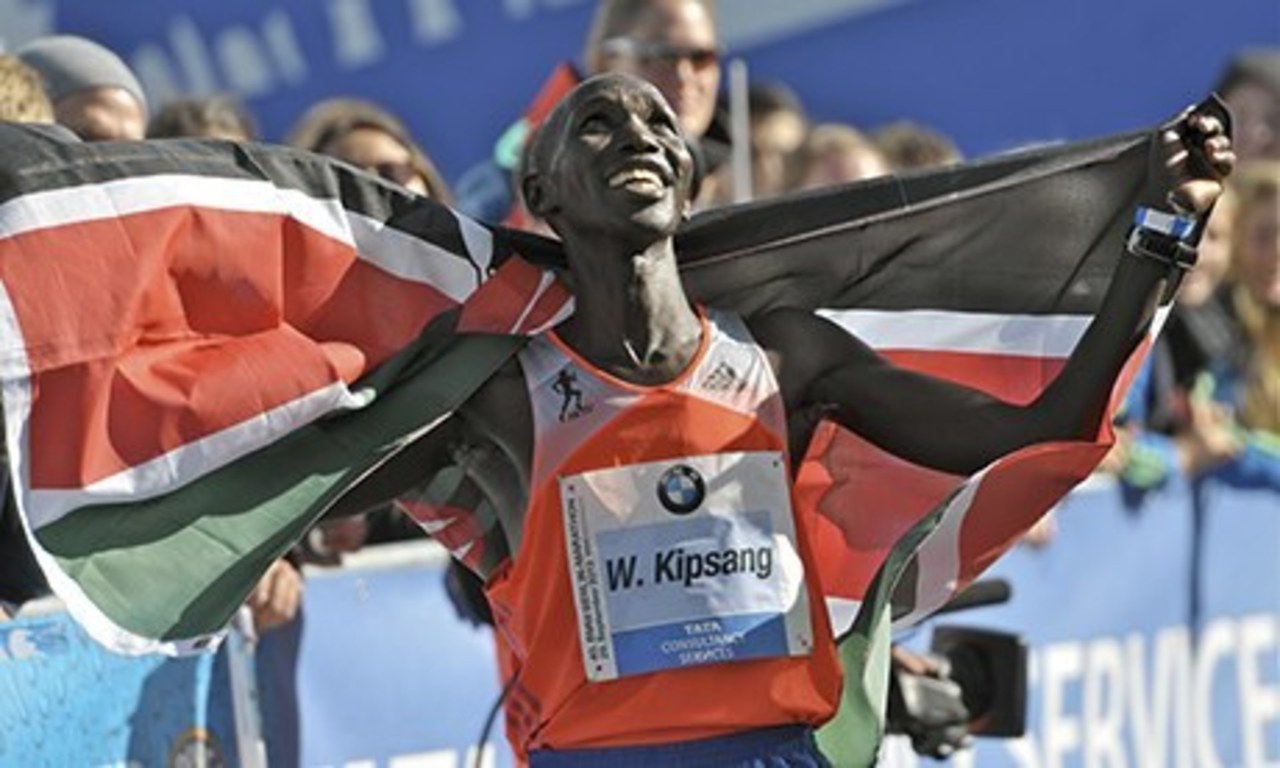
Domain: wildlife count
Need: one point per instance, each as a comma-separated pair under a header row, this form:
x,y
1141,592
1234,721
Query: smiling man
x,y
657,606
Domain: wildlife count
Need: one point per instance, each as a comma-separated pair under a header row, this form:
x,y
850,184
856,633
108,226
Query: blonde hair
x,y
1256,186
22,95
827,140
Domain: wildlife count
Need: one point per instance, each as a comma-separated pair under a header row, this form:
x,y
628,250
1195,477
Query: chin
x,y
660,223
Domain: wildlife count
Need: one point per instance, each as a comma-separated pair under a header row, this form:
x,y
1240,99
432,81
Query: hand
x,y
1192,157
1211,438
347,535
277,597
1116,459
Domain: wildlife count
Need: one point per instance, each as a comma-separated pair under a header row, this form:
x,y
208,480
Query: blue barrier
x,y
1155,633
1155,637
387,672
65,701
1129,666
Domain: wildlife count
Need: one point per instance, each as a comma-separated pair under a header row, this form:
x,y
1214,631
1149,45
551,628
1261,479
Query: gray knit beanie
x,y
69,64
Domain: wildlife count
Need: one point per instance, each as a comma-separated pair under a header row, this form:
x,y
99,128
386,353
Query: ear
x,y
537,198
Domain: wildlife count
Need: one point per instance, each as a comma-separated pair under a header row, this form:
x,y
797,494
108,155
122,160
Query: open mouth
x,y
639,179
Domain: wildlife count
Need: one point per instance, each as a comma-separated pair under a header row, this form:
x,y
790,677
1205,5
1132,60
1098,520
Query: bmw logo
x,y
681,490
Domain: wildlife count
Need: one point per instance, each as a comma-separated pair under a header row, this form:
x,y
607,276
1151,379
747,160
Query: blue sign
x,y
386,672
1154,634
994,74
64,700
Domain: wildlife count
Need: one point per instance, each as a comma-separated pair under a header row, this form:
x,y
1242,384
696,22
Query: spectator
x,y
94,93
22,100
1251,87
216,117
778,127
1208,402
372,139
670,43
674,45
22,96
1256,265
835,154
907,146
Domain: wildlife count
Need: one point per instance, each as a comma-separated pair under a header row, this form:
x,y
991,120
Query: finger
x,y
1217,143
1223,162
1206,124
1195,197
1177,160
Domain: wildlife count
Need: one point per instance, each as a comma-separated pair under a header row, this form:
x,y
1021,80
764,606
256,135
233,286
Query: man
x,y
94,93
672,44
656,518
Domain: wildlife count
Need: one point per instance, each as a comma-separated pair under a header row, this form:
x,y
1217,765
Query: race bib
x,y
685,562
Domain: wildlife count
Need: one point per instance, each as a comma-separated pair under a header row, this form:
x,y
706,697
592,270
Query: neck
x,y
631,315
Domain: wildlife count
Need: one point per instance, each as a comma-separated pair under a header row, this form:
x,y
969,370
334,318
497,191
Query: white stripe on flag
x,y
842,612
938,558
390,249
185,463
976,332
479,241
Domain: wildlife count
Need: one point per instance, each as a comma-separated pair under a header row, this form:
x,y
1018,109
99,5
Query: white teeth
x,y
637,176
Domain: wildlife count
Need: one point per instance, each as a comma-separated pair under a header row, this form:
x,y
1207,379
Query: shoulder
x,y
502,400
804,348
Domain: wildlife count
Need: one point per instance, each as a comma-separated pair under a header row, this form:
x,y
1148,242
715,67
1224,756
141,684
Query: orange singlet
x,y
659,594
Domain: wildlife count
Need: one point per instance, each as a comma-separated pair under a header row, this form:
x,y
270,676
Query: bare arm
x,y
958,429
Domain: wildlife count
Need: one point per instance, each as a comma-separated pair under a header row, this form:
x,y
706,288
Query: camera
x,y
978,686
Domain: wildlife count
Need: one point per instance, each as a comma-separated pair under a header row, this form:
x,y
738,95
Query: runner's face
x,y
620,161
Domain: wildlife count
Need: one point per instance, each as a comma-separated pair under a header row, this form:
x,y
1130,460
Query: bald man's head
x,y
615,141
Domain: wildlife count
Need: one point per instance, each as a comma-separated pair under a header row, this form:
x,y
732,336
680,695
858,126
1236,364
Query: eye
x,y
595,122
660,121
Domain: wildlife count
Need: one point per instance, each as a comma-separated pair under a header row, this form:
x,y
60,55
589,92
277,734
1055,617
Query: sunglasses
x,y
401,173
661,53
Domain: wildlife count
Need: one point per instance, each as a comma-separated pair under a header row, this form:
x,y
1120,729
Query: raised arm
x,y
957,429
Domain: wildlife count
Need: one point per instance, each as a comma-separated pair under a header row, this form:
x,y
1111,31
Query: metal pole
x,y
242,641
740,131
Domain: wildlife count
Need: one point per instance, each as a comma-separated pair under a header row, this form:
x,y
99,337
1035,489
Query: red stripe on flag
x,y
497,305
461,528
858,500
513,300
135,342
1015,378
1014,495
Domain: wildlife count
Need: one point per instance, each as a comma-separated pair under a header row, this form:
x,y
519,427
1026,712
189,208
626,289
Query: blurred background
x,y
992,74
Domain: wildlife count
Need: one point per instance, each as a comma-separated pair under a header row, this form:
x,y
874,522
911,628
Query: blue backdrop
x,y
993,73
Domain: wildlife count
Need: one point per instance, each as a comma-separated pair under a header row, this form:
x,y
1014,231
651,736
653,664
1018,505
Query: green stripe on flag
x,y
852,738
179,565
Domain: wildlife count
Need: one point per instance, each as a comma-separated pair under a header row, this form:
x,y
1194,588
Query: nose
x,y
685,70
637,136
